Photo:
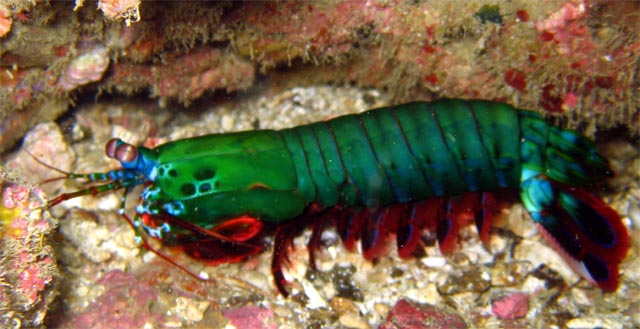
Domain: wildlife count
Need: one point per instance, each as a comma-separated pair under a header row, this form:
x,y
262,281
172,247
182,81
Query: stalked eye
x,y
126,153
111,146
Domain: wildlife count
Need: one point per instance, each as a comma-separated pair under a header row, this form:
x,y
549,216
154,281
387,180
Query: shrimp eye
x,y
111,146
126,153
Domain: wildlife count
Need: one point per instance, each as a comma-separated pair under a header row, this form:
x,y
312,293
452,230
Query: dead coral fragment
x,y
121,9
5,21
186,77
88,67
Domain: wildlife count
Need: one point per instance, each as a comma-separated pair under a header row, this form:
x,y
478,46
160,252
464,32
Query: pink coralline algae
x,y
560,27
250,317
511,307
189,76
410,314
31,280
27,266
15,197
86,68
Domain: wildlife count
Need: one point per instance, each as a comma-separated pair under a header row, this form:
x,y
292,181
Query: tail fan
x,y
583,229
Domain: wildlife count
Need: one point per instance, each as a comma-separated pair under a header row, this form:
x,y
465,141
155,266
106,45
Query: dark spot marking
x,y
204,188
369,239
188,189
443,229
173,173
590,221
596,267
161,172
479,221
567,240
402,236
489,13
204,174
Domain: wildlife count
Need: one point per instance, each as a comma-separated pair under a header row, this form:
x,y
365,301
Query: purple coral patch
x,y
250,317
511,307
410,314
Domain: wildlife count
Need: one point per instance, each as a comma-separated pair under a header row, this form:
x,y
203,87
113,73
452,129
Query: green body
x,y
209,179
406,153
376,158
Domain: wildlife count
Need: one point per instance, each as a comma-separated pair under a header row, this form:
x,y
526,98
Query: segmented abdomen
x,y
407,153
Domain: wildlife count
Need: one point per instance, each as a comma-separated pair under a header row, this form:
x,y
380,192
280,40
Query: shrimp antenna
x,y
58,170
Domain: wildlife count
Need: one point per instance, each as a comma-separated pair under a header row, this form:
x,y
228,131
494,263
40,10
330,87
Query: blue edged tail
x,y
581,227
557,165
